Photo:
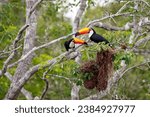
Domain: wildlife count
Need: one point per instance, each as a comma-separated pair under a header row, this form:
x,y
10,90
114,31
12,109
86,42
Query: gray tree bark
x,y
75,89
23,66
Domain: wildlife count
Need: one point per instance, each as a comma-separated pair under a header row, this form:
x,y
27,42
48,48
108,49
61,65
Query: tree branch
x,y
76,23
123,7
34,7
134,67
145,3
46,81
26,93
127,26
141,41
29,40
79,14
110,16
18,85
39,47
66,78
141,51
19,35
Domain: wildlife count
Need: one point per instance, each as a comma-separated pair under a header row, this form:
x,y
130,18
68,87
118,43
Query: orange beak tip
x,y
85,43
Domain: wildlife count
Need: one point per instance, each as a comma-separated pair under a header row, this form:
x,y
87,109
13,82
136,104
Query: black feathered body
x,y
98,38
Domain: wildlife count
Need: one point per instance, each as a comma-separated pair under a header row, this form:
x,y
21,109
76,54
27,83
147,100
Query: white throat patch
x,y
91,33
71,45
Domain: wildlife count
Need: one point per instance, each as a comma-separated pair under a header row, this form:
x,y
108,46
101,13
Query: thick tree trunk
x,y
23,66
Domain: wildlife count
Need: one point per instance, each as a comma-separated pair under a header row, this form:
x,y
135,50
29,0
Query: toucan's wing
x,y
98,38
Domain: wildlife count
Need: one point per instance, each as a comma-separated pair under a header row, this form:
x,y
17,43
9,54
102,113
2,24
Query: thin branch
x,y
45,89
79,14
39,47
34,7
141,51
127,26
19,35
46,81
110,16
26,93
23,28
134,67
146,3
66,78
18,85
123,7
8,52
141,41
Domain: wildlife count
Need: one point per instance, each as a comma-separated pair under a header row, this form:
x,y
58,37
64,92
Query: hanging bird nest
x,y
90,83
101,69
90,66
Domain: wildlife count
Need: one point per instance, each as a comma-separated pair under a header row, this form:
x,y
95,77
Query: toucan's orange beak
x,y
83,31
79,41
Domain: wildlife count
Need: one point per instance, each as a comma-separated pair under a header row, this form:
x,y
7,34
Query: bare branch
x,y
29,40
46,81
128,26
66,78
75,92
146,3
110,16
8,52
18,85
45,89
141,51
19,35
34,7
79,14
142,41
39,47
134,67
76,23
123,7
26,93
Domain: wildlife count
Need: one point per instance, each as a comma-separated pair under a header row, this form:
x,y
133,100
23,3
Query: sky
x,y
71,12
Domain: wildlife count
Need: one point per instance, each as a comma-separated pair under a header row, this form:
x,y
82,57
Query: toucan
x,y
92,35
70,44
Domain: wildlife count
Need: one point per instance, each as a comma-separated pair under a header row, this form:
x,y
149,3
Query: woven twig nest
x,y
101,69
